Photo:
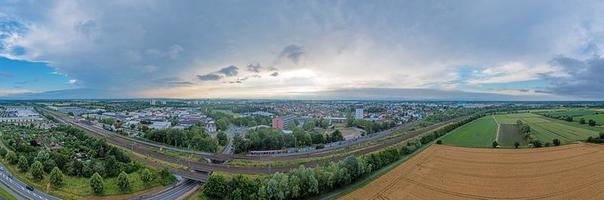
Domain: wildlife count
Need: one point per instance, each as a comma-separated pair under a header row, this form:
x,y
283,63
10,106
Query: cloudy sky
x,y
496,50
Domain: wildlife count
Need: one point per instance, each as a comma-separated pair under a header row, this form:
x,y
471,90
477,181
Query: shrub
x,y
56,177
516,145
122,182
23,164
439,142
556,142
146,176
495,144
96,183
37,171
166,177
537,143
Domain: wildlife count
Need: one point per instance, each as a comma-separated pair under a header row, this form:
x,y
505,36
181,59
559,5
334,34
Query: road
x,y
19,188
176,192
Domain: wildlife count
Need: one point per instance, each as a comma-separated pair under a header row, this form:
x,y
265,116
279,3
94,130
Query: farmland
x,y
447,172
482,132
577,114
479,133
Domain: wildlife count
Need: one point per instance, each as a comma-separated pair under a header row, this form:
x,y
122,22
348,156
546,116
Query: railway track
x,y
146,149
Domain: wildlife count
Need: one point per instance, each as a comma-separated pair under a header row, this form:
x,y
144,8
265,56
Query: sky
x,y
472,50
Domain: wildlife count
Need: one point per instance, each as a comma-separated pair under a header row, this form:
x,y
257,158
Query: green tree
x,y
23,164
146,176
556,142
516,145
222,124
96,183
2,152
591,122
222,138
56,177
122,182
216,187
582,121
11,157
294,185
37,171
166,177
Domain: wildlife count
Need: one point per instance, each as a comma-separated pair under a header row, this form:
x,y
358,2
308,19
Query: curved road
x,y
20,188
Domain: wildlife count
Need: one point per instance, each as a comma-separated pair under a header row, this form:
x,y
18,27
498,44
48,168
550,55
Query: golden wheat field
x,y
574,171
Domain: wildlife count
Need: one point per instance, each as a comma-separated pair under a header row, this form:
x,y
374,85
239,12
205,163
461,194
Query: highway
x,y
19,188
175,192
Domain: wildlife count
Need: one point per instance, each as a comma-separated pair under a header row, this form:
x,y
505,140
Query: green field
x,y
599,118
483,131
577,114
479,133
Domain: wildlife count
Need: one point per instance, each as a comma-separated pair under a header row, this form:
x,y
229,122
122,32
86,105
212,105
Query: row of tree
x,y
194,138
273,139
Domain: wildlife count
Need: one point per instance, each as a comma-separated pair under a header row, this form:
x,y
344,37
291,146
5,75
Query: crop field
x,y
479,133
482,132
446,172
599,118
508,135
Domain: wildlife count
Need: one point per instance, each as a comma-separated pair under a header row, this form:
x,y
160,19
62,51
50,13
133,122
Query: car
x,y
29,187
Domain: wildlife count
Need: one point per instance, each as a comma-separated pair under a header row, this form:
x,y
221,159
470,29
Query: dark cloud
x,y
173,81
254,67
229,71
209,77
293,52
275,74
584,77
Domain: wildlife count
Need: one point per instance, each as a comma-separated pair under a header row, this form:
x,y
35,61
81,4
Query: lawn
x,y
479,133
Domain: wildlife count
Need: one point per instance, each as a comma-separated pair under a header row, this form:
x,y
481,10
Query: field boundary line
x,y
498,128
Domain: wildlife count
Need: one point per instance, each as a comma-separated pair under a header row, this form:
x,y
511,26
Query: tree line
x,y
193,137
274,139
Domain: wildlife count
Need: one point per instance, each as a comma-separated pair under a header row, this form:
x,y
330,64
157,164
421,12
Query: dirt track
x,y
445,172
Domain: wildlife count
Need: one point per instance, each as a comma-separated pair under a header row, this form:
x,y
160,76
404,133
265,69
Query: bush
x,y
37,171
11,157
122,182
439,142
2,152
516,145
56,177
216,187
166,177
495,144
556,142
146,176
537,143
23,164
96,183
